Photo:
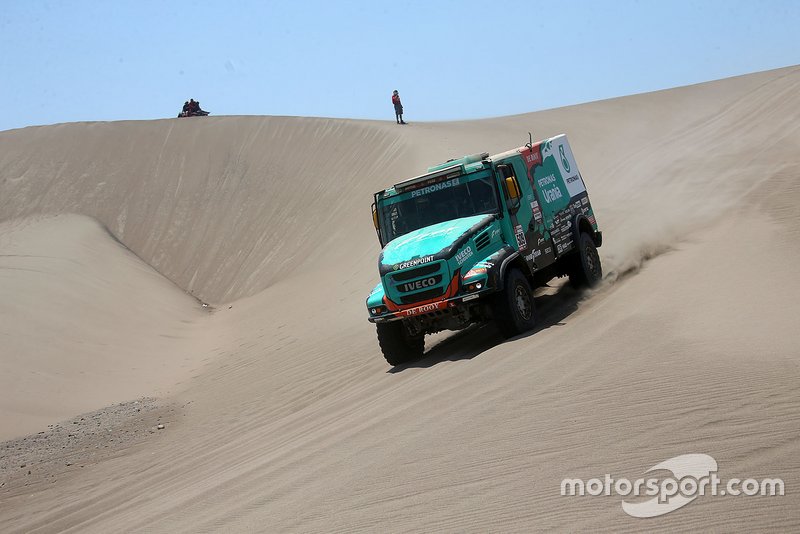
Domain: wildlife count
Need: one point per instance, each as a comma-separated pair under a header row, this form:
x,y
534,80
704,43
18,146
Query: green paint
x,y
428,241
554,195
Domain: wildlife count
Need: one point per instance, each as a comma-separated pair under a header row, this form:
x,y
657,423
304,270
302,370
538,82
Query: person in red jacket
x,y
398,107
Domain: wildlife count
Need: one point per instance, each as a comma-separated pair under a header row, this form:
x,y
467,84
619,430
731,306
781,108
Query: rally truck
x,y
470,240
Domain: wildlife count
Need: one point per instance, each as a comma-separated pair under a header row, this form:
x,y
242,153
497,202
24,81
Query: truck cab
x,y
469,240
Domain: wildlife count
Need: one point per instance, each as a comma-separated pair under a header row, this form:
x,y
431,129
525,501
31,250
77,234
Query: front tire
x,y
514,310
586,268
397,344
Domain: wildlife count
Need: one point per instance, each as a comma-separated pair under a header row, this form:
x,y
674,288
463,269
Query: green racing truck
x,y
468,241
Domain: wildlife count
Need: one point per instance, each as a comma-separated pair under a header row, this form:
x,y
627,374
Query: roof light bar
x,y
430,178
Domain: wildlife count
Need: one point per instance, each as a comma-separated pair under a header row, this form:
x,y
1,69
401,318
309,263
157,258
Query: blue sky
x,y
86,61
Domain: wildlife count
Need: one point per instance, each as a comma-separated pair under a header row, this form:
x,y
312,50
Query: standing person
x,y
398,107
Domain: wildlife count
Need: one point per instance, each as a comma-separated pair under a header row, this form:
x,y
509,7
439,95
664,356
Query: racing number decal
x,y
519,233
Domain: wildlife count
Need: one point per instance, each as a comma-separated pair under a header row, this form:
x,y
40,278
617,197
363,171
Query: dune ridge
x,y
198,200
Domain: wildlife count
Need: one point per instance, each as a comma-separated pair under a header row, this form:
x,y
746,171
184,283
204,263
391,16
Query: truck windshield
x,y
410,211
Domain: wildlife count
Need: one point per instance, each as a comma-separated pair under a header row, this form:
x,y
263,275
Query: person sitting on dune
x,y
194,108
191,108
185,111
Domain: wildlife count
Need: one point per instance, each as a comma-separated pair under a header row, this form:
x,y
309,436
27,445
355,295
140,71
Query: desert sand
x,y
219,265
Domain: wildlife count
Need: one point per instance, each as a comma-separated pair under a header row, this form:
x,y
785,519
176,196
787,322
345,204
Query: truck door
x,y
532,237
520,218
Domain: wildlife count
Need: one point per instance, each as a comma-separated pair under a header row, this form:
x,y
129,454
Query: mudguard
x,y
597,235
497,266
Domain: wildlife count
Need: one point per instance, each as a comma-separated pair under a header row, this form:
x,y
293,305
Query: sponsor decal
x,y
412,263
430,181
585,200
533,255
564,159
464,255
424,309
547,180
537,212
519,233
548,250
532,158
552,194
435,187
495,233
419,284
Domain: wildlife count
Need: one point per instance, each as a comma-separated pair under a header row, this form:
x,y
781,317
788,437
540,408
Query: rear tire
x,y
514,310
397,345
586,269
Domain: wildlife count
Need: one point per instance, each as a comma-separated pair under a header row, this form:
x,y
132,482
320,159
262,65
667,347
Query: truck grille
x,y
419,297
418,283
417,272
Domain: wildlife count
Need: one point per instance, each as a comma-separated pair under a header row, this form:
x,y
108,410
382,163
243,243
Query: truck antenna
x,y
529,144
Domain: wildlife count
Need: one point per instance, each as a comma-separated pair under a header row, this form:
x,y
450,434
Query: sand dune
x,y
291,420
85,322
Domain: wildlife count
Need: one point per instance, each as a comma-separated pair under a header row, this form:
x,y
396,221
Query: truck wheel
x,y
586,269
397,345
514,311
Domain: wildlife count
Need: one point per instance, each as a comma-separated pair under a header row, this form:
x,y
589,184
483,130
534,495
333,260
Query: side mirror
x,y
512,189
376,223
513,192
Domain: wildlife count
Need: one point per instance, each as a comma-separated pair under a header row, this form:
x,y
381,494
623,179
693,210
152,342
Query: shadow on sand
x,y
552,309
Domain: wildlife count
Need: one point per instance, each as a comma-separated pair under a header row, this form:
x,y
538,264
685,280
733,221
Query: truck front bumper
x,y
431,307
